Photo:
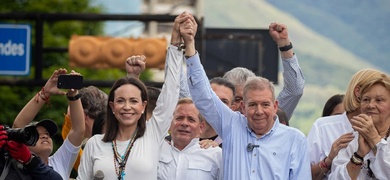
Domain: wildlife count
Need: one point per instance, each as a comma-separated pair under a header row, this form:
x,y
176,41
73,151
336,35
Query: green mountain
x,y
359,26
327,66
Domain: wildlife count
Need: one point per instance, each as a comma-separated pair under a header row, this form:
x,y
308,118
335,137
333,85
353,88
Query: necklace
x,y
121,160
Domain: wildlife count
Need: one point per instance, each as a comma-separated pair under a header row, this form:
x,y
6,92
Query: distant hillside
x,y
358,26
327,66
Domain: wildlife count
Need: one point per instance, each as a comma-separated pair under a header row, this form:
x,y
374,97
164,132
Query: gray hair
x,y
259,83
94,102
238,75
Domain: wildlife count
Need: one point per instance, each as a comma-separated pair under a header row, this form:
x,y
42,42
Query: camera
x,y
27,135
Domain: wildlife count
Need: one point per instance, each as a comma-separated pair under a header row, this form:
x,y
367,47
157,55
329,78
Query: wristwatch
x,y
74,98
286,48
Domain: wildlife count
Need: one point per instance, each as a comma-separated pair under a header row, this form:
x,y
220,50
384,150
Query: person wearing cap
x,y
64,158
16,161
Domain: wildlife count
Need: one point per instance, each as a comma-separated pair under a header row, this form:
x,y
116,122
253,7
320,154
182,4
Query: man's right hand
x,y
279,34
188,31
188,28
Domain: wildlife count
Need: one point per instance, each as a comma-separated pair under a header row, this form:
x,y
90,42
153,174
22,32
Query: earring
x,y
142,112
113,112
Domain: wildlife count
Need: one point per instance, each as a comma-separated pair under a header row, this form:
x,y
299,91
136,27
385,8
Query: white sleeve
x,y
314,145
64,158
339,163
85,170
380,164
169,96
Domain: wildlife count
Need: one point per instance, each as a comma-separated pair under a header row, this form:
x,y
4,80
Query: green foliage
x,y
358,26
56,34
49,6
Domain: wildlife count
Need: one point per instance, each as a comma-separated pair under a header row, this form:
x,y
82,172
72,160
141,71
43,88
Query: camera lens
x,y
28,135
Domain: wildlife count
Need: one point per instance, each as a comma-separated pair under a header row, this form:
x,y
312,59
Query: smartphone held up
x,y
68,81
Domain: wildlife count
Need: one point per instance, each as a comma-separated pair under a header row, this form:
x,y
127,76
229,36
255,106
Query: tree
x,y
56,34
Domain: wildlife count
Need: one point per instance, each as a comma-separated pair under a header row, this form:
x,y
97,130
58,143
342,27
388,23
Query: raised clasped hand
x,y
188,28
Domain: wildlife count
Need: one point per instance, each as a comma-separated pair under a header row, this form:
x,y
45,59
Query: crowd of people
x,y
231,127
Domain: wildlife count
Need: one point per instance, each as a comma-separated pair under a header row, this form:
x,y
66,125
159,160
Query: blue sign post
x,y
15,45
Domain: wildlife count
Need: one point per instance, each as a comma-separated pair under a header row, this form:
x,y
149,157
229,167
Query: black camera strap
x,y
7,165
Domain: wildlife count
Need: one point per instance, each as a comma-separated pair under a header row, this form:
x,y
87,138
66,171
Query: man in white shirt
x,y
183,158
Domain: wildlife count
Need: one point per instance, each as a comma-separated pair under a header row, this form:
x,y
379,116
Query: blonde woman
x,y
330,134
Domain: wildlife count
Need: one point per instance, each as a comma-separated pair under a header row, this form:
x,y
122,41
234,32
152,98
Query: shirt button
x,y
253,171
254,155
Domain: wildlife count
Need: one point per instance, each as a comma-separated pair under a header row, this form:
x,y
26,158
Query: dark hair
x,y
331,104
111,122
153,94
97,127
223,82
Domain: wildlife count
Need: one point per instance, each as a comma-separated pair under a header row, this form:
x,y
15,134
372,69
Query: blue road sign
x,y
15,45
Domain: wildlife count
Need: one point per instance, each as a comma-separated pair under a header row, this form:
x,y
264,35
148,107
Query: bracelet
x,y
43,97
357,156
41,94
322,170
177,44
286,48
74,98
356,161
327,166
323,166
180,45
